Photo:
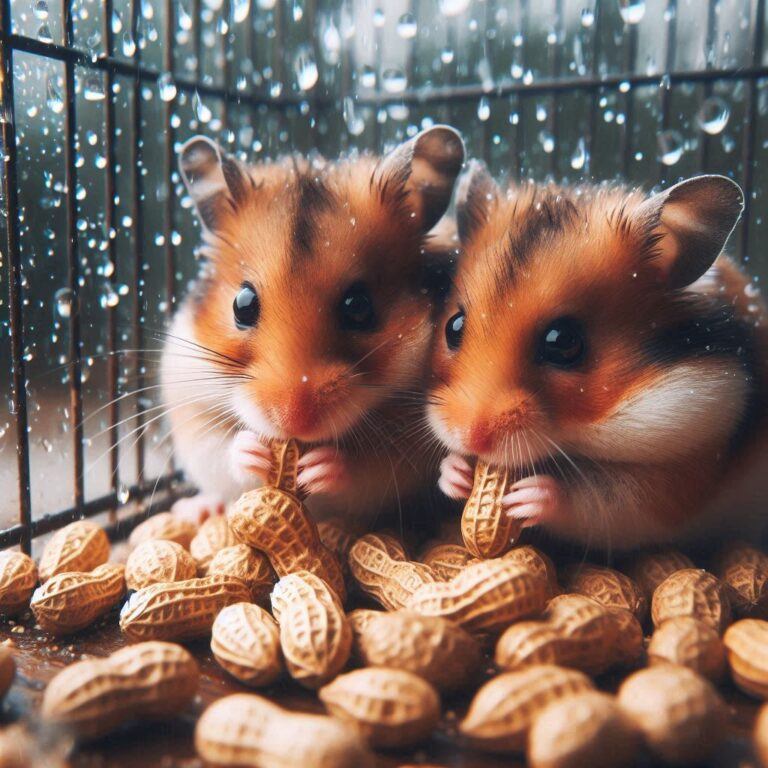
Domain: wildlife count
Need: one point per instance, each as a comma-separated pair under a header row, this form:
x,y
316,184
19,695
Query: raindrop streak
x,y
713,115
483,109
184,19
632,11
587,17
579,156
394,80
109,297
129,45
93,89
453,7
266,5
368,77
203,113
240,10
305,67
355,122
44,34
41,10
671,147
54,100
407,26
63,299
123,493
166,87
547,141
117,23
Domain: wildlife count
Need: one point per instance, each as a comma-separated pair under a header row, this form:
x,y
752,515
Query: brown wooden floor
x,y
169,744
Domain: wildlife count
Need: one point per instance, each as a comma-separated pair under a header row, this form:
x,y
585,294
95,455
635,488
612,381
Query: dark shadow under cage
x,y
99,238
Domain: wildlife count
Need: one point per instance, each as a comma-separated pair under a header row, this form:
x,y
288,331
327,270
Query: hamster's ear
x,y
214,179
691,222
477,194
425,168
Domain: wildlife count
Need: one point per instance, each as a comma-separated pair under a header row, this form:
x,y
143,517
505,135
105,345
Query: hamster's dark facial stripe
x,y
312,199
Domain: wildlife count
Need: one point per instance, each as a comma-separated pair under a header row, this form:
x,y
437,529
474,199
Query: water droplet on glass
x,y
671,147
587,17
483,109
305,67
183,18
63,299
129,44
44,34
407,26
541,113
298,11
368,77
446,55
528,77
123,493
117,23
214,5
40,9
547,141
394,80
109,296
266,5
579,156
240,10
166,87
93,88
625,86
147,10
354,121
632,11
54,100
453,7
713,115
204,114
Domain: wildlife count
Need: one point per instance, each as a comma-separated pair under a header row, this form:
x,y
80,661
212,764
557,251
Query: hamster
x,y
310,319
600,344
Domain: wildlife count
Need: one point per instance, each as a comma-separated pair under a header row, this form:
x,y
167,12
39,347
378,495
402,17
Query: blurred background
x,y
97,95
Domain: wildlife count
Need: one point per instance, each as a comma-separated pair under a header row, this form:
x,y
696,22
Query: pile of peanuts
x,y
531,647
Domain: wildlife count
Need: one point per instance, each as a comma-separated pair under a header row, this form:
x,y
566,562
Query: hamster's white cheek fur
x,y
252,416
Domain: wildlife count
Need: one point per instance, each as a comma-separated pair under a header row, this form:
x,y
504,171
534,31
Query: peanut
x,y
163,526
315,636
378,566
250,566
245,640
760,735
79,546
503,710
486,530
746,642
485,597
391,707
692,592
690,643
7,669
275,522
213,535
69,602
335,536
744,570
247,730
18,576
446,560
586,730
181,610
284,472
532,559
649,569
609,587
360,618
158,560
435,649
144,681
679,713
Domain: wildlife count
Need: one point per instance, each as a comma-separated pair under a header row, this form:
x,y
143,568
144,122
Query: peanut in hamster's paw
x,y
323,470
456,477
534,500
197,509
251,456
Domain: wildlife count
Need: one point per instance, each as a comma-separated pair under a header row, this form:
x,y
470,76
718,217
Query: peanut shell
x,y
649,569
213,535
79,546
446,560
18,576
609,587
692,592
690,643
250,566
744,570
760,735
746,643
284,472
158,560
164,526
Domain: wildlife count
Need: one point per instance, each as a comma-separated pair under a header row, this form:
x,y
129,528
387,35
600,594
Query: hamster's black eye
x,y
246,307
562,343
356,309
454,330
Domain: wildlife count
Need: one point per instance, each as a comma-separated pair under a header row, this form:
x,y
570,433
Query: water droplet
x,y
266,5
541,112
587,17
713,115
394,80
305,67
446,55
671,147
579,156
93,88
63,300
44,34
54,99
453,7
354,121
204,114
214,5
40,9
407,26
147,10
109,296
547,141
632,11
123,493
240,10
166,87
368,77
483,109
129,44
625,86
183,18
117,23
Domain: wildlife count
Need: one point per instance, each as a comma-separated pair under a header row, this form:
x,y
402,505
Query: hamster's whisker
x,y
195,345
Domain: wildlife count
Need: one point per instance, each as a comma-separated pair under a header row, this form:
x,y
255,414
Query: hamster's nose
x,y
301,414
480,438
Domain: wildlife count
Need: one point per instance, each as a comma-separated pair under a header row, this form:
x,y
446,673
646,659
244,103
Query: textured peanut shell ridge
x,y
283,473
335,536
7,670
586,730
680,713
649,569
248,730
391,707
526,643
744,570
158,560
532,559
315,635
746,643
250,566
486,530
760,735
439,651
692,592
79,546
486,596
18,576
609,587
144,681
182,610
214,534
69,602
446,560
504,709
166,526
277,523
689,643
245,640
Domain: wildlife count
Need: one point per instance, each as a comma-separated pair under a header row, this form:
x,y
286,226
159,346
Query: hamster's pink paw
x,y
323,470
534,500
456,476
197,509
250,456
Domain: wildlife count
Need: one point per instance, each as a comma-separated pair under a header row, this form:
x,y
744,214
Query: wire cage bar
x,y
248,87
